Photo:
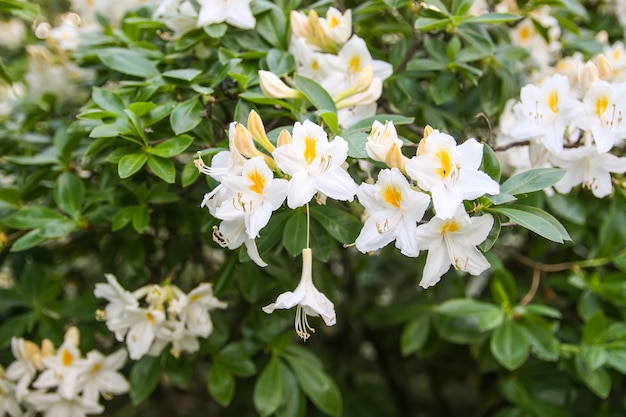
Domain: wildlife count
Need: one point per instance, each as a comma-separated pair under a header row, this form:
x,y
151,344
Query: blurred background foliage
x,y
107,185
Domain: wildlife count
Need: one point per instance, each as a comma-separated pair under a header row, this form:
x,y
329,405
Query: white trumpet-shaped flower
x,y
315,165
255,194
605,109
394,210
380,140
453,242
234,12
309,301
450,172
545,112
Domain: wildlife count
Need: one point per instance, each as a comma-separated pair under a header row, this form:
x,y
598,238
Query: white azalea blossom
x,y
307,300
315,165
98,375
394,210
605,109
450,172
54,405
23,369
380,140
234,12
585,165
9,405
453,242
545,112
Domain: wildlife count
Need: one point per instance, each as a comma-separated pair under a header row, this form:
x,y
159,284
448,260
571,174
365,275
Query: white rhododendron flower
x,y
23,369
450,172
545,112
54,405
315,165
380,140
170,316
98,375
453,242
605,109
394,210
307,300
234,12
585,165
9,405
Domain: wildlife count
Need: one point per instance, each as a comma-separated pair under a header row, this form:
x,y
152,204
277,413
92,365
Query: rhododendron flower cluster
x,y
59,382
169,316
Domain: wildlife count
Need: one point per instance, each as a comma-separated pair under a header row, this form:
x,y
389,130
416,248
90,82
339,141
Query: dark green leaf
x,y
415,334
536,220
268,389
315,93
144,378
128,62
69,194
131,163
186,116
533,180
162,168
509,345
294,234
221,384
341,225
493,18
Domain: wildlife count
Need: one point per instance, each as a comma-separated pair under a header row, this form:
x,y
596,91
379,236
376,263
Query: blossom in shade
x,y
453,242
307,300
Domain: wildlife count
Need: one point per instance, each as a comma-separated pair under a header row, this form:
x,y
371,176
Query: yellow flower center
x,y
151,318
553,101
355,64
446,163
96,368
601,104
449,226
315,66
67,358
258,181
310,149
525,33
334,22
392,195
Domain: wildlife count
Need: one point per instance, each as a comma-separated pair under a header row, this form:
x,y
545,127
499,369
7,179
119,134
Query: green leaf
x,y
293,403
493,18
533,180
341,225
69,194
141,108
315,93
491,164
236,358
108,131
221,384
141,218
568,207
460,7
414,335
144,378
129,62
366,124
493,235
356,144
272,27
597,380
280,62
317,385
444,88
182,74
428,24
509,345
131,163
190,174
58,228
503,287
186,116
594,328
268,389
616,359
294,234
542,342
123,217
462,307
172,147
331,119
594,356
536,220
216,31
31,217
28,240
162,168
108,100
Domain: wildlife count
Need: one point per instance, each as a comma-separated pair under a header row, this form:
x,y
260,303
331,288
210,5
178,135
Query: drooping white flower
x,y
394,210
605,109
314,164
234,12
545,112
585,165
232,234
453,242
309,301
450,172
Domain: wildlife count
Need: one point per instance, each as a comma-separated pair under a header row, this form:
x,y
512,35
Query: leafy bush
x,y
170,168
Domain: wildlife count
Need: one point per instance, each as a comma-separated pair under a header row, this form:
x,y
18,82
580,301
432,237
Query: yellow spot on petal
x,y
525,33
96,368
355,63
601,104
150,317
617,54
67,358
450,226
315,66
310,149
195,297
258,181
446,163
392,195
334,22
553,101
